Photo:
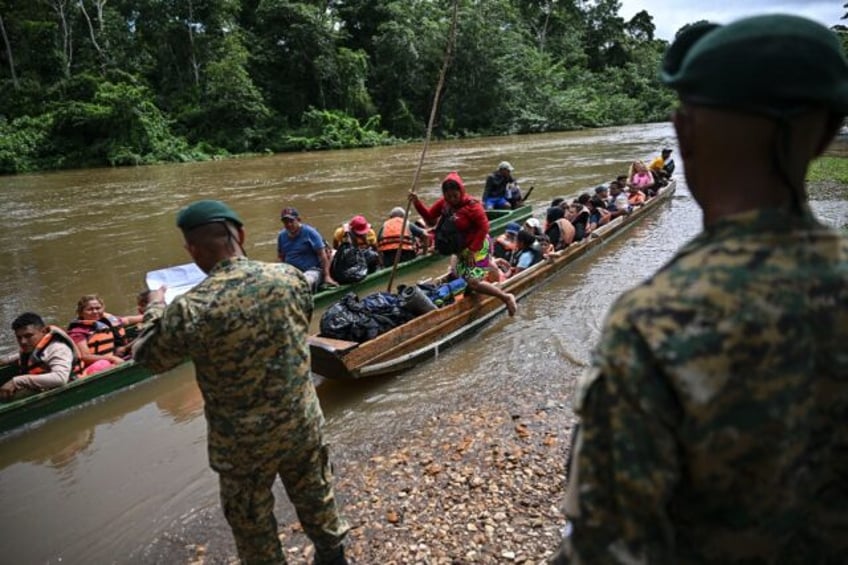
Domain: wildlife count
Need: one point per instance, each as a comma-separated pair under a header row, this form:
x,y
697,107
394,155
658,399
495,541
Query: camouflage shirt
x,y
245,328
713,422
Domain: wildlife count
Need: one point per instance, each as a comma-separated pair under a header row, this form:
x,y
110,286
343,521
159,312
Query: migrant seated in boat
x,y
389,239
501,191
619,204
598,214
640,177
462,230
47,358
358,232
635,196
662,167
507,242
559,231
101,337
301,245
527,254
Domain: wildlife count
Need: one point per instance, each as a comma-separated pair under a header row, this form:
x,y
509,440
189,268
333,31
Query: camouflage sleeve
x,y
626,464
161,345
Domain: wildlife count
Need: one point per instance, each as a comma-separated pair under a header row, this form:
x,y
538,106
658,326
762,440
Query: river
x,y
125,478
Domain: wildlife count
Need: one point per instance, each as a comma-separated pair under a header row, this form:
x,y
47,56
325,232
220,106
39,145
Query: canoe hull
x,y
424,337
38,406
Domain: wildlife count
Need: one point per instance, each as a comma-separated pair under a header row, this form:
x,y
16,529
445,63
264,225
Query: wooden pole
x,y
445,64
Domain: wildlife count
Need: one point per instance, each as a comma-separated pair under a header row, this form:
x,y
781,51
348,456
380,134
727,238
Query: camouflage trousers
x,y
248,504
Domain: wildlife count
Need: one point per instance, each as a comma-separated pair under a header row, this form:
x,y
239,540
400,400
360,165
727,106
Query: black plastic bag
x,y
357,320
349,265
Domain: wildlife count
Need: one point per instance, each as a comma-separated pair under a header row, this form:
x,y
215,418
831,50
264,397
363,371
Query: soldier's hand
x,y
157,295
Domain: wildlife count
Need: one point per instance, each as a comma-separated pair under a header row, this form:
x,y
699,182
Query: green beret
x,y
206,212
776,65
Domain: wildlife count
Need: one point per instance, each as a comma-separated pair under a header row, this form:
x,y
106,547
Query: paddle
x,y
176,280
439,85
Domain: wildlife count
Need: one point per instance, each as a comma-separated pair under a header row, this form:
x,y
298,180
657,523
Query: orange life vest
x,y
390,238
34,363
105,335
567,231
636,198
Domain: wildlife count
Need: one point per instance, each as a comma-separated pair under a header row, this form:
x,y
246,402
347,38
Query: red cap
x,y
359,225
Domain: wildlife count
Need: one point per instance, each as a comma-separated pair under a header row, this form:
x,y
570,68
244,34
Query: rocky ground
x,y
467,485
480,485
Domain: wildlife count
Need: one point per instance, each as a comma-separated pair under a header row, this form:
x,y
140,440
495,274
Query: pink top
x,y
641,180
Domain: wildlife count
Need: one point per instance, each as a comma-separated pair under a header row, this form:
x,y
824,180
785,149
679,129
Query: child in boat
x,y
48,357
473,261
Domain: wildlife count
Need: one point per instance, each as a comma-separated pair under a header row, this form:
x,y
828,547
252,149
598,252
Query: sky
x,y
671,15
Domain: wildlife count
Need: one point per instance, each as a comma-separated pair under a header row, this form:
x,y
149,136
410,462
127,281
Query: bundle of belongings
x,y
355,319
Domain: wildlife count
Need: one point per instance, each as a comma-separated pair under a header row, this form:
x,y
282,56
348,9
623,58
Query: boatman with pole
x,y
245,328
713,422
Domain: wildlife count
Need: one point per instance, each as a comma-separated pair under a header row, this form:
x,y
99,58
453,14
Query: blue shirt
x,y
526,259
301,250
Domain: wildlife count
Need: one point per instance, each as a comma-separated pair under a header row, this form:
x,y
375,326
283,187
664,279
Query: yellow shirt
x,y
367,240
657,164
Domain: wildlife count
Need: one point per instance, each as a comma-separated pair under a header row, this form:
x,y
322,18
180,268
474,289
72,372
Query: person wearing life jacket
x,y
560,232
473,262
48,357
389,238
527,254
100,336
359,232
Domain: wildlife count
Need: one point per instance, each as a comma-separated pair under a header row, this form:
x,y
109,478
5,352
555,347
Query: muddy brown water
x,y
125,478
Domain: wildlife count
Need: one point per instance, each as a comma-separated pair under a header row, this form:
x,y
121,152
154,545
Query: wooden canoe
x,y
425,336
31,408
498,219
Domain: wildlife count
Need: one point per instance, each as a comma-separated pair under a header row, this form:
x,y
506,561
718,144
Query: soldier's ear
x,y
683,125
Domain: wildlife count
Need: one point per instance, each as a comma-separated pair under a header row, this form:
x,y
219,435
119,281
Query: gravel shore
x,y
481,484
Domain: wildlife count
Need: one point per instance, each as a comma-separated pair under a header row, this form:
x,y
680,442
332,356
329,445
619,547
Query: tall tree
x,y
9,56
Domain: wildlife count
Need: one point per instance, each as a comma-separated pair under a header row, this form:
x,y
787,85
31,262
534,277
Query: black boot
x,y
337,558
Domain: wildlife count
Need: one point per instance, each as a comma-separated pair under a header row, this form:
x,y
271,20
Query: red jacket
x,y
470,215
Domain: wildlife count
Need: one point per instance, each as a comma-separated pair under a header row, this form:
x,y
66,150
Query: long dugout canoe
x,y
423,337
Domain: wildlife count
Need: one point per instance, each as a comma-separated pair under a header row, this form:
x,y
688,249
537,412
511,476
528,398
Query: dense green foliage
x,y
118,82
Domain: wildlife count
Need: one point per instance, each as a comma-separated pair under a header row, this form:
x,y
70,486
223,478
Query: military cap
x,y
205,212
775,64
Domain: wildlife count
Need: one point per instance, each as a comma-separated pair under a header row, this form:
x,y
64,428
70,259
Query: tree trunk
x,y
91,34
9,54
189,25
67,39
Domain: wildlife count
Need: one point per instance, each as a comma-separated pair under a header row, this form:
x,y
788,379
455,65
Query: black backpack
x,y
350,263
449,240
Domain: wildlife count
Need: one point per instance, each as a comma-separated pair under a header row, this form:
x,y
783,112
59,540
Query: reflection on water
x,y
126,478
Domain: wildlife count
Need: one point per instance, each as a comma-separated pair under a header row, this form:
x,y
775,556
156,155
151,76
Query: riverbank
x,y
457,484
475,484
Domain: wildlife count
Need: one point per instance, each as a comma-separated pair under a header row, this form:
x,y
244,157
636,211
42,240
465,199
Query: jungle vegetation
x,y
123,82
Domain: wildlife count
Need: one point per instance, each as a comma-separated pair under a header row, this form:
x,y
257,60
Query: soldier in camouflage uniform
x,y
713,420
245,328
